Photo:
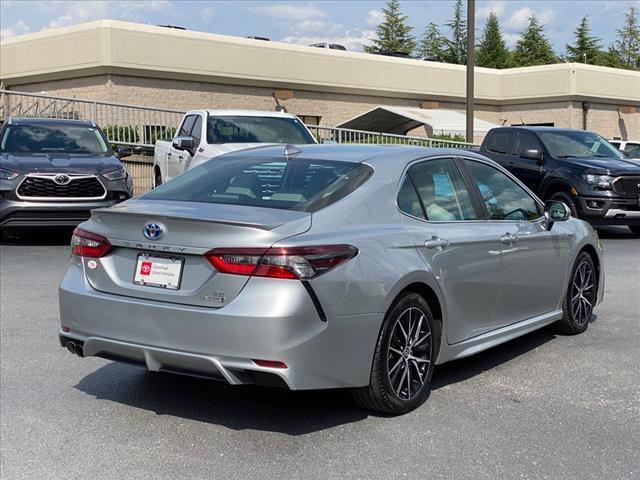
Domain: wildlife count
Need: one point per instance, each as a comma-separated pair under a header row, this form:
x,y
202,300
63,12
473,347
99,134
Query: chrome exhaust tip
x,y
75,348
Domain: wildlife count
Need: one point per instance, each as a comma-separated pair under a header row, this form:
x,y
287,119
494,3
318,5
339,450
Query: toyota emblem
x,y
62,179
153,231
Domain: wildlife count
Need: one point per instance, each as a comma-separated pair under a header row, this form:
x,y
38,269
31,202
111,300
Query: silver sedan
x,y
327,266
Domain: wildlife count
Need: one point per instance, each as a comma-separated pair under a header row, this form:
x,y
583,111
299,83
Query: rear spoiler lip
x,y
108,211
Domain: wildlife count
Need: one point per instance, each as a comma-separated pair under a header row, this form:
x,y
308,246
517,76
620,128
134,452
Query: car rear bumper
x,y
610,211
37,214
264,322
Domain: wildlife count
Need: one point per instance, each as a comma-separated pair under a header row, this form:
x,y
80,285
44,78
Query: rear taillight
x,y
90,245
280,262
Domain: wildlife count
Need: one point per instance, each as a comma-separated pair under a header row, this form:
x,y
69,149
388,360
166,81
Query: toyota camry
x,y
327,266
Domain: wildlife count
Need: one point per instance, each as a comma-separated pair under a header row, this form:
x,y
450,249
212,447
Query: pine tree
x,y
492,51
626,49
432,44
533,48
393,34
586,48
457,45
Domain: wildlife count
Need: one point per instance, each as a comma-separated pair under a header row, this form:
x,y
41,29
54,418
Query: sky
x,y
350,23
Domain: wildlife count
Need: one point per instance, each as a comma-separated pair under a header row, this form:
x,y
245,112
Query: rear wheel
x,y
635,229
158,179
580,298
566,198
403,360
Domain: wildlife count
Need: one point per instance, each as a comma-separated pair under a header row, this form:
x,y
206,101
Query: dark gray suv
x,y
54,171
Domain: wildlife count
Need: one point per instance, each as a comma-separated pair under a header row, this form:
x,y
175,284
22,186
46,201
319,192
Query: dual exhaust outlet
x,y
75,348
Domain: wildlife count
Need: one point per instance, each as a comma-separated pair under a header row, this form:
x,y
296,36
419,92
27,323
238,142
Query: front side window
x,y
196,129
256,130
187,125
53,138
503,198
527,141
273,182
441,192
577,144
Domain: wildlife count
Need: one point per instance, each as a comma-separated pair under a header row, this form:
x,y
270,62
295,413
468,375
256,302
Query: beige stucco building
x,y
161,67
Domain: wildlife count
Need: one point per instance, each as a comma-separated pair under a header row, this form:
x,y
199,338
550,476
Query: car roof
x,y
43,121
356,153
537,128
242,113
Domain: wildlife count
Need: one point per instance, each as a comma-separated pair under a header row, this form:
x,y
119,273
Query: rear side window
x,y
296,184
500,141
441,192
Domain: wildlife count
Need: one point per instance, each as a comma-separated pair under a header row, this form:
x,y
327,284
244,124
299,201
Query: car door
x,y
534,261
461,251
499,146
527,170
176,157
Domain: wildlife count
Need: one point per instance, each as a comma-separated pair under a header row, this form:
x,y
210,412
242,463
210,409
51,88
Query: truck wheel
x,y
635,229
566,198
158,179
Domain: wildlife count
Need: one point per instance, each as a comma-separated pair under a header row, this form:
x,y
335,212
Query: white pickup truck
x,y
204,134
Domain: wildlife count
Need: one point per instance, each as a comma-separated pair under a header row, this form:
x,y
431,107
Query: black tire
x,y
417,358
158,179
566,198
635,229
579,300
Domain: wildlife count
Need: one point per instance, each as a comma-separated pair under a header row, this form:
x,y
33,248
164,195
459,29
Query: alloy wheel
x,y
409,353
582,293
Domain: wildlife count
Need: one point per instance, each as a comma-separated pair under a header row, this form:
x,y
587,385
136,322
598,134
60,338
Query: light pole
x,y
471,26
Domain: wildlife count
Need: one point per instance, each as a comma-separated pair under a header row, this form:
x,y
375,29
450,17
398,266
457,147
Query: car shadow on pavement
x,y
270,409
614,233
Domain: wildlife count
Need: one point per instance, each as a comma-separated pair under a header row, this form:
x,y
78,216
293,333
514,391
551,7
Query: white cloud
x,y
375,17
519,19
511,39
79,11
207,14
496,6
19,28
285,11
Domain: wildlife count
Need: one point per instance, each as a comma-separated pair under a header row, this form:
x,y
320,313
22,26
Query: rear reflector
x,y
280,262
270,364
89,245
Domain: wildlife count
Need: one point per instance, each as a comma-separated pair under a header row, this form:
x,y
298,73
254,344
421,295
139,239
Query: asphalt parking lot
x,y
543,406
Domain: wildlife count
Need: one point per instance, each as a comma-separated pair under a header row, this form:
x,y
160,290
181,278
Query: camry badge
x,y
153,231
62,179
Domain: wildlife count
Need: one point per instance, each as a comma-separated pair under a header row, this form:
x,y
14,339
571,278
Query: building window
x,y
310,119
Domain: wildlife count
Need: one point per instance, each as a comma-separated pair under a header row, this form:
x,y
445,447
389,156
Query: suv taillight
x,y
90,245
280,262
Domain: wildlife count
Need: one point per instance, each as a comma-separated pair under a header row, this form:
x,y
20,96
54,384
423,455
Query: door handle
x,y
436,243
168,154
509,239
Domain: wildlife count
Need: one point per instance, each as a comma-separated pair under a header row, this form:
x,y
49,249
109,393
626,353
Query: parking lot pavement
x,y
543,406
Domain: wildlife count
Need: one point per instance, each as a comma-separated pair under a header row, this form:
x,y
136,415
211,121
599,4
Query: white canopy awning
x,y
400,120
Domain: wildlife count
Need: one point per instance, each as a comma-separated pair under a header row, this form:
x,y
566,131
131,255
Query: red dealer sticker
x,y
145,268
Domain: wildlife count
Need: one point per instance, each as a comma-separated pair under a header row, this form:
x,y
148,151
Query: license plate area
x,y
160,271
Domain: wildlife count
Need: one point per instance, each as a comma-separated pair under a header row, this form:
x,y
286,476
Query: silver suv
x,y
53,172
327,266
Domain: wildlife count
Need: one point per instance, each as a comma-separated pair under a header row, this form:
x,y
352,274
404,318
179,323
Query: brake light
x,y
280,262
90,245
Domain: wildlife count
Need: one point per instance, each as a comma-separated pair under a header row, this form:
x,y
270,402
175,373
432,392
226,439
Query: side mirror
x,y
183,143
124,151
555,211
532,154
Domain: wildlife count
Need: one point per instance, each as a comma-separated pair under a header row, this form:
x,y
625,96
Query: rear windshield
x,y
296,184
256,130
53,138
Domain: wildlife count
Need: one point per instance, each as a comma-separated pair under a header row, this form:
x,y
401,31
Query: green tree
x,y
492,52
626,49
586,48
456,51
533,48
393,34
432,44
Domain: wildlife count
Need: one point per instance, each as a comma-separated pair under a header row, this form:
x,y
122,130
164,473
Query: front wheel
x,y
580,298
403,360
635,229
157,179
